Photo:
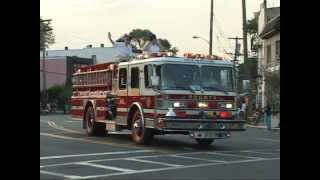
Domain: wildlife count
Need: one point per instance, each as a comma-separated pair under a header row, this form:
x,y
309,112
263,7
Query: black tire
x,y
204,142
140,134
94,128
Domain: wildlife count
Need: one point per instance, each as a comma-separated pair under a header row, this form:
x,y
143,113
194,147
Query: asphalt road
x,y
66,152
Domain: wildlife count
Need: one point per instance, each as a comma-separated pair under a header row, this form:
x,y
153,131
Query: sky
x,y
77,23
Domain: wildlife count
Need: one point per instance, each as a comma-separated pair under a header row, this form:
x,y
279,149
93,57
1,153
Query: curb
x,y
261,127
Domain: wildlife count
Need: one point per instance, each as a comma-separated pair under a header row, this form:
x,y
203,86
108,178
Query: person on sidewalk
x,y
243,110
268,116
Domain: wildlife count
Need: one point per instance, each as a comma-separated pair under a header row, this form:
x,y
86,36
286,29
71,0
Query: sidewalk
x,y
262,125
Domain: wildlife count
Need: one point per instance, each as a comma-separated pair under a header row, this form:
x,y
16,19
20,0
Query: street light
x,y
198,37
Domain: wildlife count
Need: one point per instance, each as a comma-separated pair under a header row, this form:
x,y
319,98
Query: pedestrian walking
x,y
259,114
268,116
242,112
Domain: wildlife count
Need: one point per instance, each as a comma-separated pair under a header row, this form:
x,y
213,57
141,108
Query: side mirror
x,y
155,81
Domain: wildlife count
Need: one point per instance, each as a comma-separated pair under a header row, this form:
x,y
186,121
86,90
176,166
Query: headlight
x,y
178,104
202,105
229,106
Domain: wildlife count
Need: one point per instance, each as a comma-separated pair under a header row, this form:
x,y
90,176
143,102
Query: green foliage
x,y
59,94
252,29
252,25
165,44
46,34
272,80
141,36
174,50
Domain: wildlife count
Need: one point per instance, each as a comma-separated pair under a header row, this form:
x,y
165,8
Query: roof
x,y
271,28
180,60
272,12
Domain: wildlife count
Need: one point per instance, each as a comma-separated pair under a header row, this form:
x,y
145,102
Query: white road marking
x,y
60,175
153,162
73,121
178,167
267,139
112,159
94,154
106,167
193,158
53,125
234,155
259,152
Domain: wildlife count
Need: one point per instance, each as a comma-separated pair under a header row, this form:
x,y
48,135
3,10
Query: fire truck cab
x,y
156,96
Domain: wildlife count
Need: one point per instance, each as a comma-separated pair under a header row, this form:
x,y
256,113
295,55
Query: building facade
x,y
59,70
99,54
269,53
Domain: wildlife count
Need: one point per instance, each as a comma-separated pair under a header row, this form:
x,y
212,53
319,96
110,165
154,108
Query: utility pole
x,y
211,23
236,54
44,75
245,53
244,24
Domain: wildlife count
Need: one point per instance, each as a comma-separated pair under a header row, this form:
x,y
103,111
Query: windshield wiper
x,y
182,88
216,88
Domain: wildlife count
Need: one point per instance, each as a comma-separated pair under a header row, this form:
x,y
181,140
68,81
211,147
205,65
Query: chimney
x,y
66,48
102,45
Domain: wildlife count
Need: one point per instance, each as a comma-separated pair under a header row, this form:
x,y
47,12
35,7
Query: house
x,y
59,70
269,51
99,54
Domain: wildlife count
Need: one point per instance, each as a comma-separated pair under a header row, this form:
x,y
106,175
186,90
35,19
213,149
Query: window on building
x,y
135,77
122,78
268,54
147,76
278,50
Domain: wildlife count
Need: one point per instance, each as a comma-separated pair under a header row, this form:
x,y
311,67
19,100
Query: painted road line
x,y
131,145
60,175
94,154
53,125
111,159
128,145
193,158
233,155
73,121
106,167
152,162
267,139
178,167
259,152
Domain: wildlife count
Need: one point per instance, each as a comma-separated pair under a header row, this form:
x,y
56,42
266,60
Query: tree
x,y
174,50
140,36
252,29
46,34
165,44
272,80
60,94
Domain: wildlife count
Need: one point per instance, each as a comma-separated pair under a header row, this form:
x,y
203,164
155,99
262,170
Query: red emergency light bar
x,y
201,56
151,55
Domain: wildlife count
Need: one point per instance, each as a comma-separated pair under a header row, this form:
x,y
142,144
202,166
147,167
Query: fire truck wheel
x,y
140,134
204,142
94,128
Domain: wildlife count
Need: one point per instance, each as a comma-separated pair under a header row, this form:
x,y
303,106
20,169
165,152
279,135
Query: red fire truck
x,y
191,95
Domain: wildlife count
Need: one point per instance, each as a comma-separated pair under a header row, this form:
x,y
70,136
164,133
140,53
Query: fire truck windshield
x,y
216,78
193,78
180,77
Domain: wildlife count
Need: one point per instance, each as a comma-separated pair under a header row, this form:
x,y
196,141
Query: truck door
x,y
134,83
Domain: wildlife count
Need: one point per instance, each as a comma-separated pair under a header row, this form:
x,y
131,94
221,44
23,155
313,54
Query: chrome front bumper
x,y
174,124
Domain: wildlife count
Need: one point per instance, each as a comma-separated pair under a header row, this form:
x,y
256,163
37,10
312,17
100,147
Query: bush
x,y
59,94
